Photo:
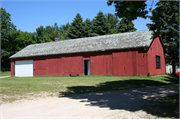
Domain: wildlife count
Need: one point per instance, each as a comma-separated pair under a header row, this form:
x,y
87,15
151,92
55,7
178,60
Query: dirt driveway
x,y
4,77
119,104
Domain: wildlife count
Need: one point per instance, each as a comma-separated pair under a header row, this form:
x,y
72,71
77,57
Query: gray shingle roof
x,y
90,44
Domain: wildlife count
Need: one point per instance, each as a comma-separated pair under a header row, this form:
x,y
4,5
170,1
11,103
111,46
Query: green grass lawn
x,y
5,73
15,88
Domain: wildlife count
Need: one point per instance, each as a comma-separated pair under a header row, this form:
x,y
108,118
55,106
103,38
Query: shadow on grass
x,y
120,85
133,99
173,79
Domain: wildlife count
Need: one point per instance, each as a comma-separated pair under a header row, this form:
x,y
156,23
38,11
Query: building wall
x,y
12,68
117,63
130,63
59,66
40,66
101,64
156,48
123,63
142,62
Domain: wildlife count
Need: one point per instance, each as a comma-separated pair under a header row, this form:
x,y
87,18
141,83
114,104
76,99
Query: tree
x,y
87,28
165,20
64,32
112,21
20,40
41,36
48,33
130,9
51,32
125,26
55,32
6,29
100,25
76,28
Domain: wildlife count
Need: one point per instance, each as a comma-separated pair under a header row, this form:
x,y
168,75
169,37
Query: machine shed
x,y
124,54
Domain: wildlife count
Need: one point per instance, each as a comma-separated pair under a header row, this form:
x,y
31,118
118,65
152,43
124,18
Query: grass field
x,y
15,88
5,73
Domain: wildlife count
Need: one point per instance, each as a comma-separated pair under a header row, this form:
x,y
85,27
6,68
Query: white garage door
x,y
24,68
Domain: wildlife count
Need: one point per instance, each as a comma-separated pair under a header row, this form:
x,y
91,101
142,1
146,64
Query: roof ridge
x,y
88,37
88,44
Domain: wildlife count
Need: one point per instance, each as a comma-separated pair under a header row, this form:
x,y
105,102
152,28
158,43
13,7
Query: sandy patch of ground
x,y
4,77
121,104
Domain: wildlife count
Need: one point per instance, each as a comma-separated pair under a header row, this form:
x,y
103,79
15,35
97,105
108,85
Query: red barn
x,y
124,54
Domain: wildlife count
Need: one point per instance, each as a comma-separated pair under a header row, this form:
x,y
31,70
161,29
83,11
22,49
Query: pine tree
x,y
165,18
76,28
125,26
113,22
100,25
87,28
55,32
64,32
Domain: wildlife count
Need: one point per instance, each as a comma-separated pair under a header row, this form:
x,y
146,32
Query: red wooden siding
x,y
122,64
156,48
130,63
40,67
12,68
53,66
142,62
135,63
101,65
59,66
72,65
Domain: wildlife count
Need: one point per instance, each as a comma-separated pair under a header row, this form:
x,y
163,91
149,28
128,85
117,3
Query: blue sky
x,y
29,15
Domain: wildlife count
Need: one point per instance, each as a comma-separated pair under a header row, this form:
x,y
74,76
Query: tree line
x,y
13,40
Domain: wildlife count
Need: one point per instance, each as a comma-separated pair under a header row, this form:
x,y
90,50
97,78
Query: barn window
x,y
158,62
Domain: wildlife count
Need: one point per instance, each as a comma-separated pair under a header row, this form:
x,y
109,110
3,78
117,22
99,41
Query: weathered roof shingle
x,y
90,44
